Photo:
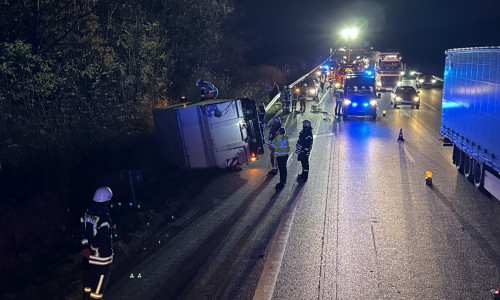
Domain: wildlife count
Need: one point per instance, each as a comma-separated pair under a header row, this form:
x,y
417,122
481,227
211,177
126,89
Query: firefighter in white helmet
x,y
97,244
303,149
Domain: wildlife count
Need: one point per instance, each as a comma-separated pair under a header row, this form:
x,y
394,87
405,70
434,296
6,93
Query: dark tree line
x,y
75,73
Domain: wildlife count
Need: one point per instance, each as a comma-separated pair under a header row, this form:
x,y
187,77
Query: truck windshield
x,y
360,90
390,66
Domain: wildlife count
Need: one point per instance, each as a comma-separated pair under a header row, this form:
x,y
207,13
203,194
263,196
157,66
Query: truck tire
x,y
478,174
468,165
418,106
458,158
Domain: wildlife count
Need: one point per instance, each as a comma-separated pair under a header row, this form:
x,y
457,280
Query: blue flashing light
x,y
365,104
368,72
116,235
130,204
354,104
325,67
119,204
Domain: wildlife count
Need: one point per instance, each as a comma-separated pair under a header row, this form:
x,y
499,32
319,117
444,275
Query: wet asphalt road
x,y
365,225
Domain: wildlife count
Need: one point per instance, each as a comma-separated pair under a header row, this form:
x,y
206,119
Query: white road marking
x,y
429,106
269,276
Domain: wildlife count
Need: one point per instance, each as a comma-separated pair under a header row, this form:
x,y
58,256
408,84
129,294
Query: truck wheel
x,y
418,106
478,174
394,105
459,160
468,164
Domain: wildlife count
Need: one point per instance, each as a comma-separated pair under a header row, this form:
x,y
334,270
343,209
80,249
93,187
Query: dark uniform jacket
x,y
96,234
304,144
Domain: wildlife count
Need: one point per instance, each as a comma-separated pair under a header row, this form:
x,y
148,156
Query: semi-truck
x,y
389,69
211,133
471,114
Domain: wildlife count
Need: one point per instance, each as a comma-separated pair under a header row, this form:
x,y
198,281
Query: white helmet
x,y
306,123
103,194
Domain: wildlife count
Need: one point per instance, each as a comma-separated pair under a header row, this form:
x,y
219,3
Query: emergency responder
x,y
208,91
281,150
274,126
295,97
273,91
303,97
286,92
303,149
97,244
283,102
261,114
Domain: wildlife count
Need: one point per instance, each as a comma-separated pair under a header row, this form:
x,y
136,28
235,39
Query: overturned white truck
x,y
212,133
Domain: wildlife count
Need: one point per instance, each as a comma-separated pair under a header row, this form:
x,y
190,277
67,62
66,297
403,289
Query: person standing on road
x,y
295,97
274,127
286,92
281,150
97,244
303,98
303,149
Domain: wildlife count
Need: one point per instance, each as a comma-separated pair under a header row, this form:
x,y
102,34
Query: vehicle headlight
x,y
402,73
399,98
337,85
421,80
379,83
416,98
346,102
312,91
373,102
433,80
400,83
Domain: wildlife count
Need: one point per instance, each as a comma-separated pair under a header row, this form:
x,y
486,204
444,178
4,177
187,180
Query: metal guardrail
x,y
270,104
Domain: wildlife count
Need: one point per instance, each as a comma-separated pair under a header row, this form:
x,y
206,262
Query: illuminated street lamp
x,y
349,33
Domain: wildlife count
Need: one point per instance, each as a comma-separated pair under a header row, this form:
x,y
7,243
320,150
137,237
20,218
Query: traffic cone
x,y
400,138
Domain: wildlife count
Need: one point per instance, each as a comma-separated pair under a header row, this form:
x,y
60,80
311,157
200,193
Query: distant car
x,y
426,80
405,95
312,86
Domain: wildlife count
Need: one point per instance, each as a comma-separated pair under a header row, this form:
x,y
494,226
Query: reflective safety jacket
x,y
304,144
281,145
96,234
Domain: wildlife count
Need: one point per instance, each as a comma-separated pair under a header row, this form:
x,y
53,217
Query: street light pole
x,y
349,33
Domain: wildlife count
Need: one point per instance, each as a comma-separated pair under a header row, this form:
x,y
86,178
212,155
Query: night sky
x,y
421,29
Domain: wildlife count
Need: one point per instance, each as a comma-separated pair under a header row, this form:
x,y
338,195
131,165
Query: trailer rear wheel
x,y
468,165
458,158
478,172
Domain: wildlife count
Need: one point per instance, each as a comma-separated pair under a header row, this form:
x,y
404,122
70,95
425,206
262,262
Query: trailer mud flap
x,y
492,184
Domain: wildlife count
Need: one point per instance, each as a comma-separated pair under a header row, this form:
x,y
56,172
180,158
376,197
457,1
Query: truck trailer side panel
x,y
206,134
471,107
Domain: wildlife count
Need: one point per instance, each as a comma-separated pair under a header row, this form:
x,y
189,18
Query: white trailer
x,y
212,133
